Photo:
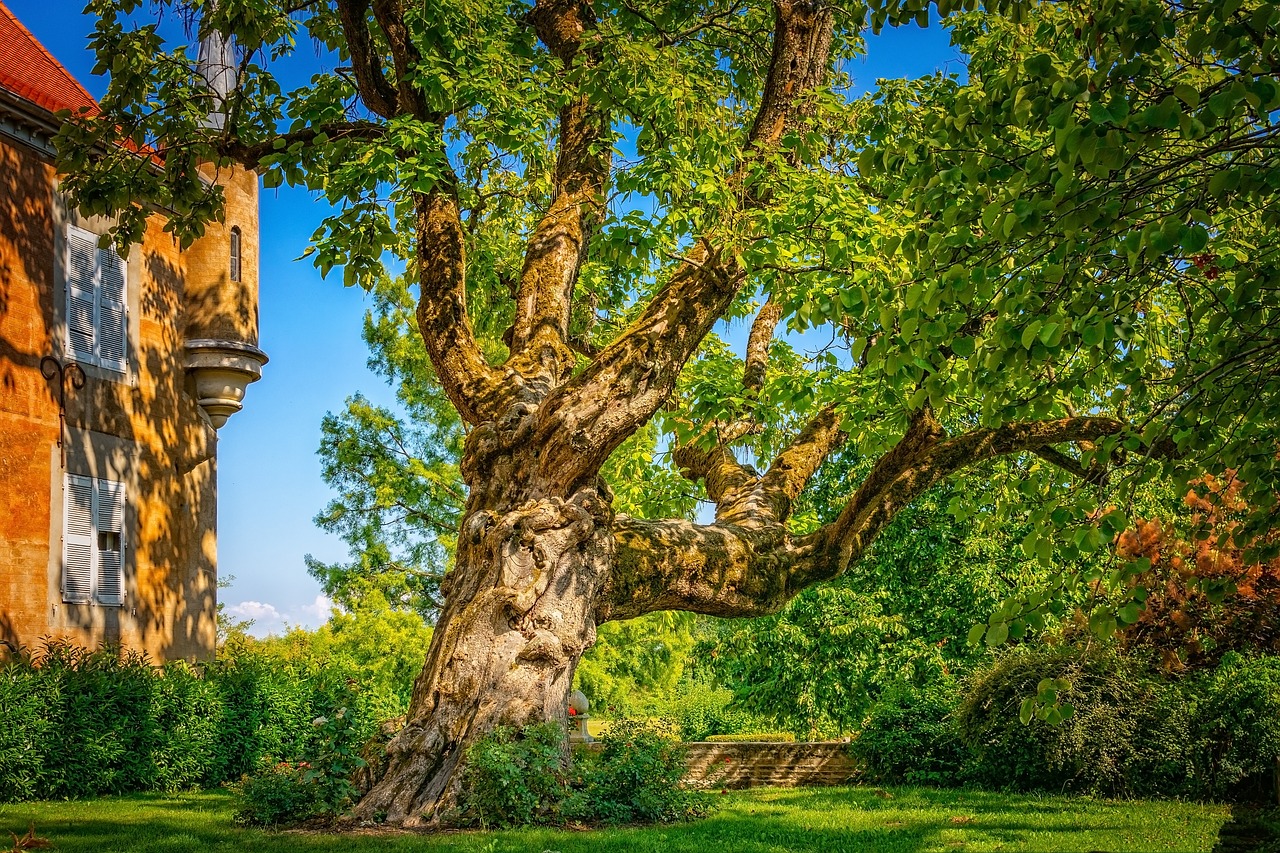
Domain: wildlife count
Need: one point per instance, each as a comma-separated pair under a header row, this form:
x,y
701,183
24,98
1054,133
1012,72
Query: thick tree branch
x,y
377,94
473,385
716,569
757,359
558,247
801,46
732,569
920,460
800,460
747,498
404,54
726,478
633,376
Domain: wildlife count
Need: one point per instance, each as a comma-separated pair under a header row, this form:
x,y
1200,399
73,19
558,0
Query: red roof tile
x,y
30,72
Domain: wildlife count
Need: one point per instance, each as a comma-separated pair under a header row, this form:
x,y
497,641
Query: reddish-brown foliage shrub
x,y
1205,597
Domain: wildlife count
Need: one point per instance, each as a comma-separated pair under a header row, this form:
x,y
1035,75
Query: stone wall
x,y
783,765
758,764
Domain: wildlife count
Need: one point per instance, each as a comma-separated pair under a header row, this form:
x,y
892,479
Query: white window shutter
x,y
82,287
110,542
77,539
112,321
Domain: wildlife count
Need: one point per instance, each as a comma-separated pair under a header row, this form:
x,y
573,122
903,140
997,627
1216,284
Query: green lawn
x,y
902,820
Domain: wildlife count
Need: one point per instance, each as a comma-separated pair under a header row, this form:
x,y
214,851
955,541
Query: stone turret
x,y
222,355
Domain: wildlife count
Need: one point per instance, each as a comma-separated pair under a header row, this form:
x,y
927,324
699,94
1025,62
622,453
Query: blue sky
x,y
269,476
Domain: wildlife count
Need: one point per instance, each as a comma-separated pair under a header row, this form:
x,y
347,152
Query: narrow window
x,y
93,541
235,253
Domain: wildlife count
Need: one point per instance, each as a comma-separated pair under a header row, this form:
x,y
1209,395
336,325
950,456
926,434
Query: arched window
x,y
235,254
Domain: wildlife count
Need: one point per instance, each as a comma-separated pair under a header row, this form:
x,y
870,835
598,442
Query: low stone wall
x,y
784,765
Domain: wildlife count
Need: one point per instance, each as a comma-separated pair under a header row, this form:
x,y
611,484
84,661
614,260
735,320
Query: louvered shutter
x,y
112,323
82,286
110,542
77,539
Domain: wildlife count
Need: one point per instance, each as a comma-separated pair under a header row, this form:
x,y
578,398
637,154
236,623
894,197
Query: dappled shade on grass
x,y
897,820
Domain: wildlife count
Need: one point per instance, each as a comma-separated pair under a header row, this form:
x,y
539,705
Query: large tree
x,y
1063,264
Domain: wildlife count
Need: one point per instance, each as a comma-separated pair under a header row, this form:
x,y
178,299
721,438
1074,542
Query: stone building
x,y
115,373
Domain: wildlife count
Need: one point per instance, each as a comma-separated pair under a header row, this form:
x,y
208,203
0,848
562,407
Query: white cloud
x,y
255,610
315,613
269,619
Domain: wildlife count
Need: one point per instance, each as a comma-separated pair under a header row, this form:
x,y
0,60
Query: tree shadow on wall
x,y
146,429
26,259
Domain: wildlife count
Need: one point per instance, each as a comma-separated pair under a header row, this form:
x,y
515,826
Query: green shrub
x,y
29,707
635,778
753,737
1116,742
104,734
513,777
909,737
516,777
187,710
700,710
80,723
277,794
1237,727
267,706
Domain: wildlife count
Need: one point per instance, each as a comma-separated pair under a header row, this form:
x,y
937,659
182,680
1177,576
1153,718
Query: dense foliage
x,y
637,777
909,737
1132,730
901,616
514,777
1119,731
79,723
378,645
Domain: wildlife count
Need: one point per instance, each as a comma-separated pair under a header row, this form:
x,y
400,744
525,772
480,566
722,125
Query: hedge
x,y
79,723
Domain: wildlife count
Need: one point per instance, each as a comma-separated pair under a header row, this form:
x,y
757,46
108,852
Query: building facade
x,y
115,374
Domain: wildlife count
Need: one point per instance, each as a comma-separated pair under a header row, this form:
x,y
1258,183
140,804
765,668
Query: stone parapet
x,y
762,764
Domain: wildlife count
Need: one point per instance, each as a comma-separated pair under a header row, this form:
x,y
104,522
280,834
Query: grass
x,y
830,820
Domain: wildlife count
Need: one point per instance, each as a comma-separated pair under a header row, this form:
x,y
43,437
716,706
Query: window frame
x,y
236,251
104,349
91,581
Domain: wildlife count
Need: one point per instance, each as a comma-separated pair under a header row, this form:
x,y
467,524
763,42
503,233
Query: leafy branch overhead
x,y
1062,264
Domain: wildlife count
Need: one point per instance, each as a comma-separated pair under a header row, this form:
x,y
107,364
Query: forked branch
x,y
633,376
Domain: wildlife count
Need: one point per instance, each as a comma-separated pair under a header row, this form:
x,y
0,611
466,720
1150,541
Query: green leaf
x,y
1030,333
976,633
1195,239
997,634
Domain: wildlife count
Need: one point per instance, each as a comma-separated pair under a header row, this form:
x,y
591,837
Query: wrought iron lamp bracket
x,y
65,372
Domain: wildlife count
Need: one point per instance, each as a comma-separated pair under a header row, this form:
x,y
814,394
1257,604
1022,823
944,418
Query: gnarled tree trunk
x,y
519,612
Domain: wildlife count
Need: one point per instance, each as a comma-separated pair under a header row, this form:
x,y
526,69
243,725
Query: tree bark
x,y
519,612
